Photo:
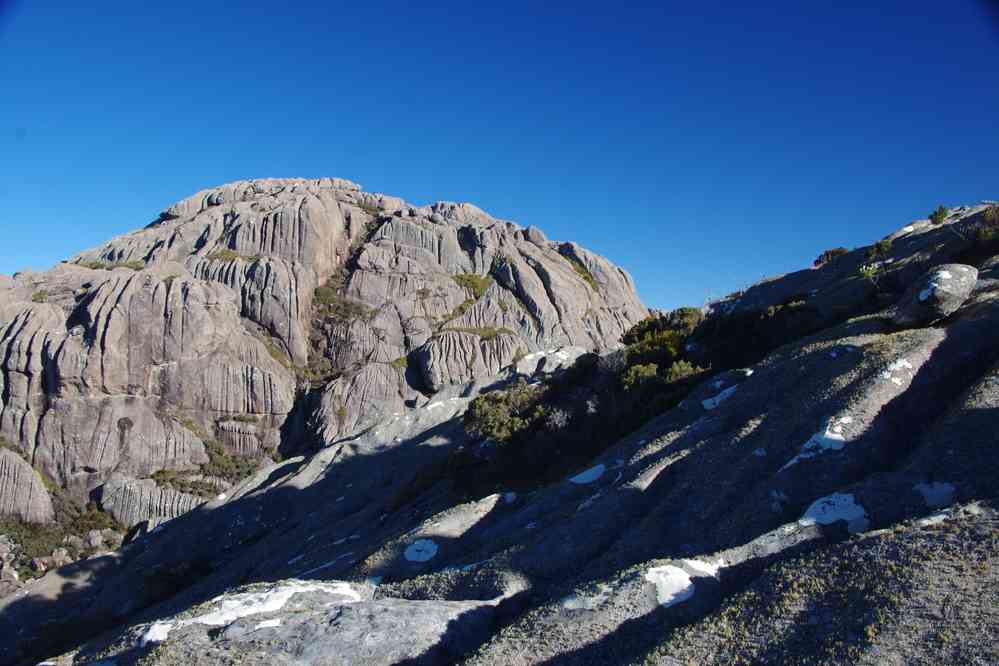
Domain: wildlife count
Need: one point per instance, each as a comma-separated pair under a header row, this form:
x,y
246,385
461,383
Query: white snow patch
x,y
220,497
230,609
908,229
327,565
836,507
831,438
936,494
590,475
267,624
530,526
421,550
157,633
296,559
933,519
673,584
935,284
706,568
896,367
712,403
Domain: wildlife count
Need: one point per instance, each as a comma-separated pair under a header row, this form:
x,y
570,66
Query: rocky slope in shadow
x,y
826,495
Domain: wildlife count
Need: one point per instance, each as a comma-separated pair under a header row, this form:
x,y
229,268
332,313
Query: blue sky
x,y
700,145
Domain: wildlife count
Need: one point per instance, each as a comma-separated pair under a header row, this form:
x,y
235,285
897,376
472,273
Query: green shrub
x,y
98,265
939,215
400,363
332,305
829,255
681,370
277,352
637,375
484,332
181,482
870,272
500,415
582,271
40,296
476,284
370,208
226,254
661,347
879,250
225,466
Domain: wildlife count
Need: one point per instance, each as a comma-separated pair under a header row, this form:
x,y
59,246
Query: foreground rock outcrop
x,y
825,493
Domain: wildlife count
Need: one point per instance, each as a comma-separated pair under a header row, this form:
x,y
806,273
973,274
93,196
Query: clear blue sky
x,y
700,145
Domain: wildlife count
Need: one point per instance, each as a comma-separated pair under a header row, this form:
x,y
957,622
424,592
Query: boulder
x,y
22,493
937,294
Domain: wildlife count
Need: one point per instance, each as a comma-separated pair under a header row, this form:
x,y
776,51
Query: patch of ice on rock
x,y
712,403
228,609
832,508
421,550
267,624
673,584
832,438
590,475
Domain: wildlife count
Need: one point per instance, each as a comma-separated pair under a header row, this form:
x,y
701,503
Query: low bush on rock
x,y
829,255
40,541
476,284
939,215
226,466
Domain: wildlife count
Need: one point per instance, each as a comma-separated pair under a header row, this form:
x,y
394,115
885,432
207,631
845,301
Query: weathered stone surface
x,y
22,493
132,501
203,325
853,442
936,295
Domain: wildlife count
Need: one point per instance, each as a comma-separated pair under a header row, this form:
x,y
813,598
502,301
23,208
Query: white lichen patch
x,y
267,624
327,565
896,370
833,508
832,438
673,584
937,283
228,608
421,550
590,475
157,633
705,568
936,494
712,403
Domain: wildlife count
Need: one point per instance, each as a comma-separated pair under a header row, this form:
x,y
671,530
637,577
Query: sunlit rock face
x,y
212,323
